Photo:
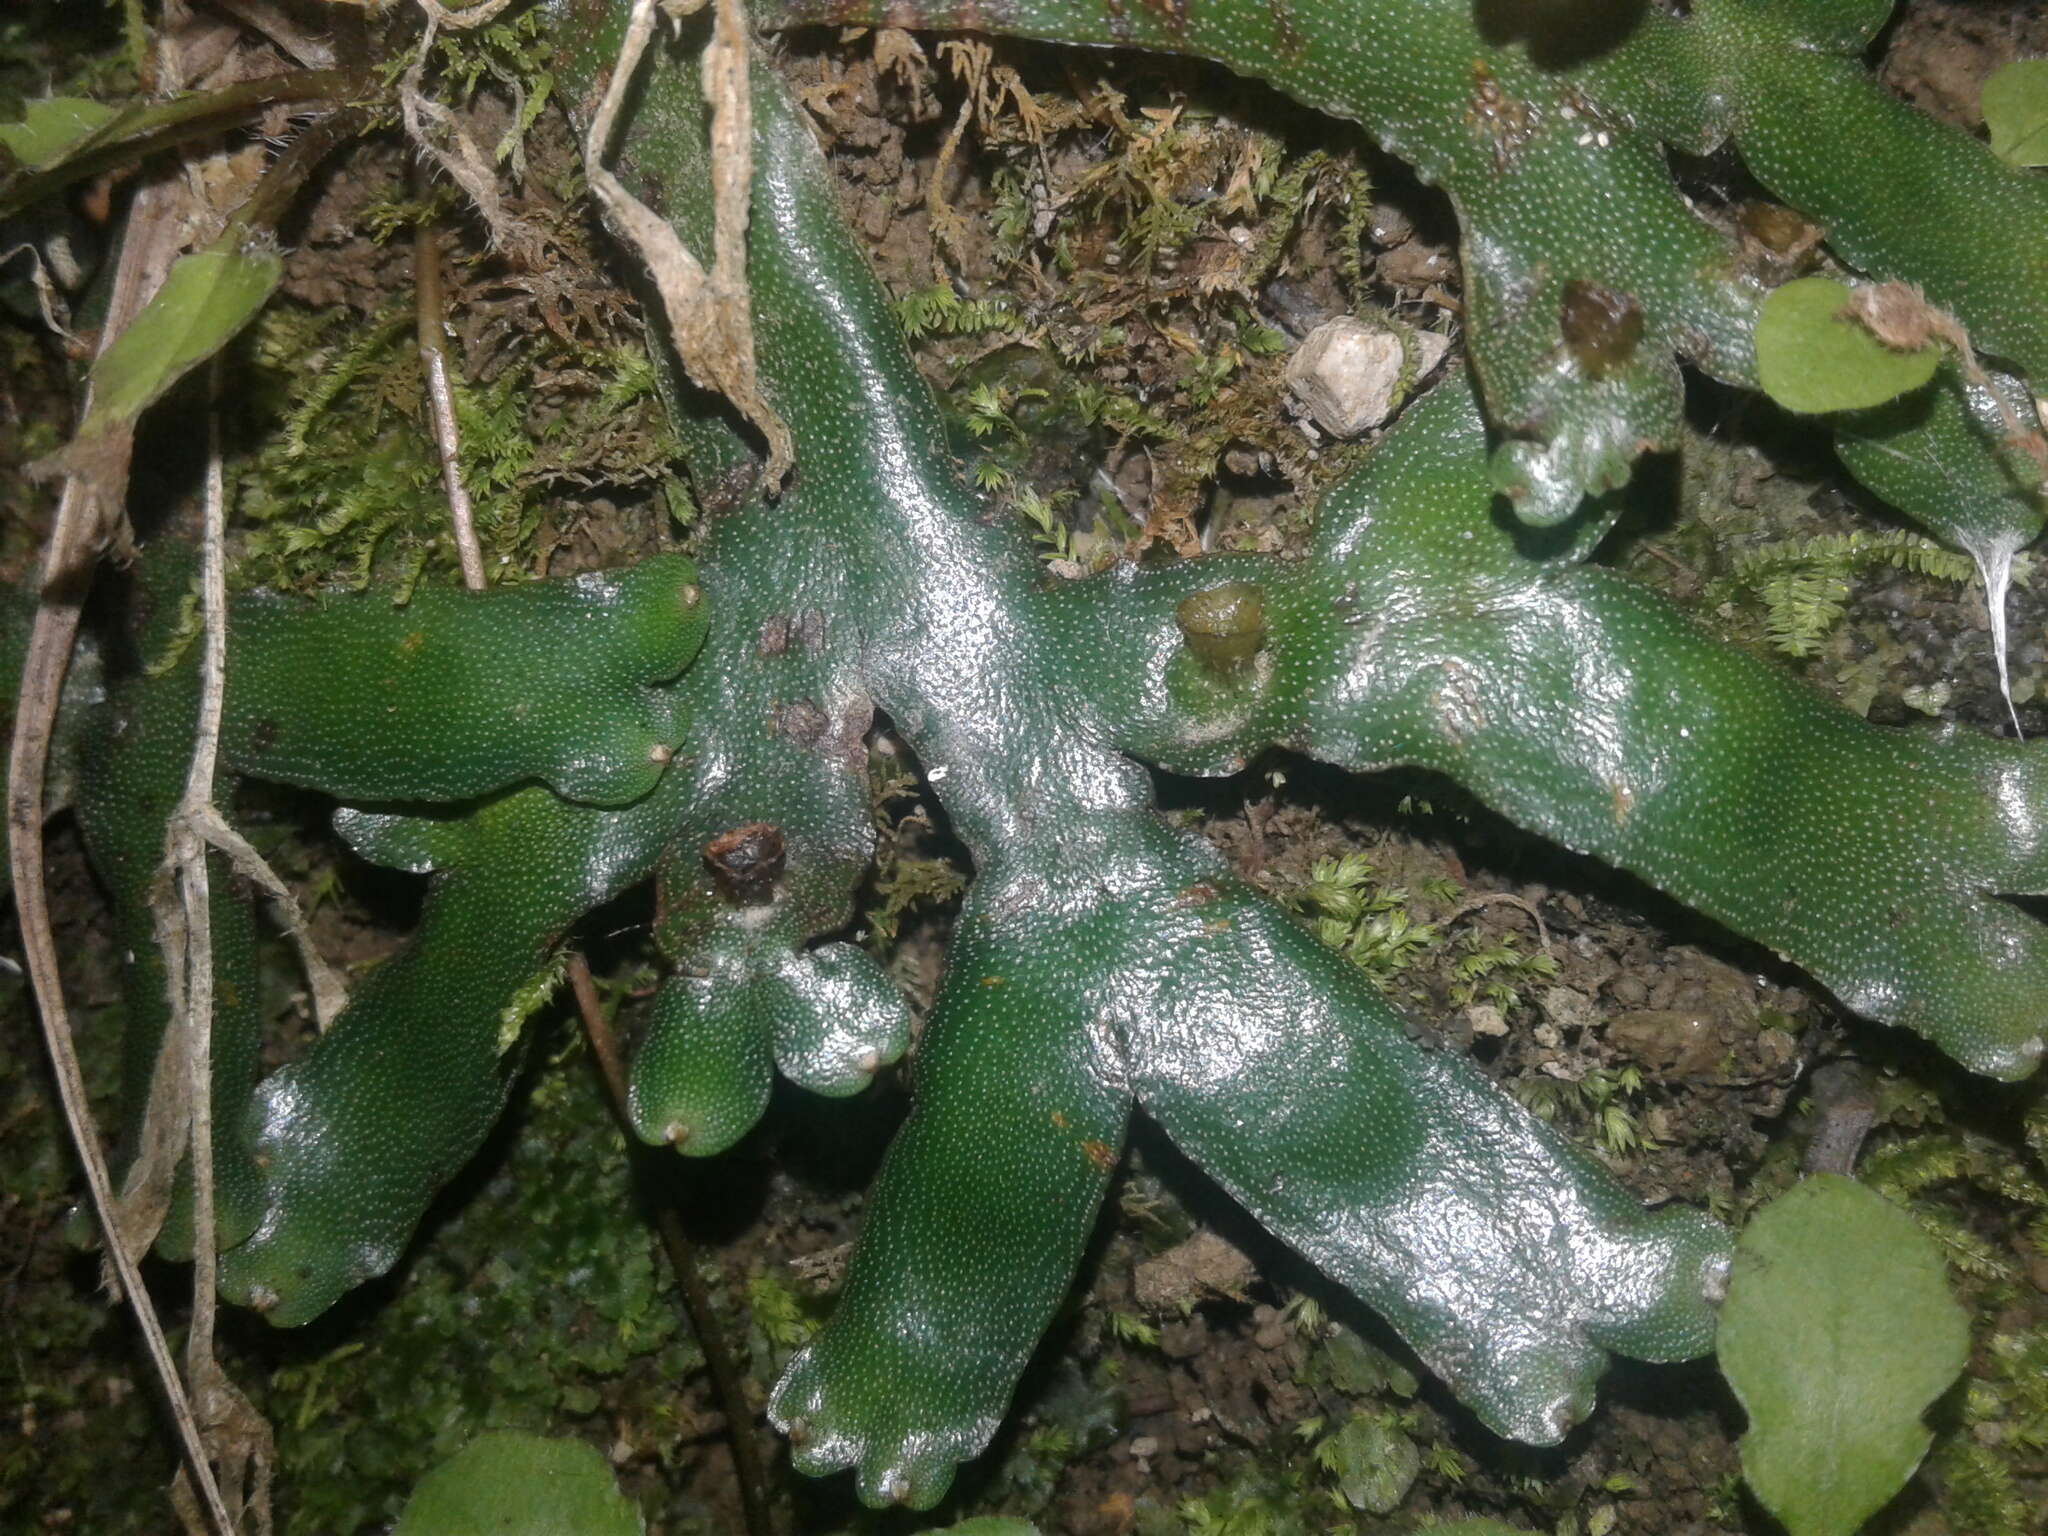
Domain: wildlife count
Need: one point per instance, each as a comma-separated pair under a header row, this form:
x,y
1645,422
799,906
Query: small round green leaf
x,y
1838,1331
1810,356
512,1484
2015,103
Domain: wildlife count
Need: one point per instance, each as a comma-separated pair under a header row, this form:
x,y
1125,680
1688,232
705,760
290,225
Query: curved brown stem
x,y
755,1501
145,129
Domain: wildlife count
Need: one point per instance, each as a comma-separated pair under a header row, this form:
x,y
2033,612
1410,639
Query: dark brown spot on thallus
x,y
724,492
1602,328
774,636
747,861
1504,121
1777,228
801,722
851,737
1173,12
1100,1154
1197,895
1287,39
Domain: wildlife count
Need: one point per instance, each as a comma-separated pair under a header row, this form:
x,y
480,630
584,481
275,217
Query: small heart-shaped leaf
x,y
1812,356
1838,1331
512,1484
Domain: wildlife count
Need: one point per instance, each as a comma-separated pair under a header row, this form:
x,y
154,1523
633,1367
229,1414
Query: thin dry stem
x,y
1505,899
755,1500
427,122
709,315
88,510
324,983
237,1438
426,263
464,17
948,228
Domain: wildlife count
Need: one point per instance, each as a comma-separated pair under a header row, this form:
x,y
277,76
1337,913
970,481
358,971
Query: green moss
x,y
1803,585
346,485
1984,1201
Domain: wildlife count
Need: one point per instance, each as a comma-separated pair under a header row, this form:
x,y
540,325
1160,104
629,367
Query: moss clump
x,y
346,483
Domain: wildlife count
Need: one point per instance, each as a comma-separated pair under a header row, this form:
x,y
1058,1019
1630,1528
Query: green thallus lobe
x,y
1586,273
467,691
1103,960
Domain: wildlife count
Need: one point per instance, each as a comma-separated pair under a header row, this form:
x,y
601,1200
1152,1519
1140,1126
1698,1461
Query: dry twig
x,y
89,515
426,269
1504,899
709,316
718,1361
237,1437
428,123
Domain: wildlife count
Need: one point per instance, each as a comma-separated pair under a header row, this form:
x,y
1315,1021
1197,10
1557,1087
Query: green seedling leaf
x,y
2015,103
1359,1370
50,128
1838,1331
1373,1462
208,297
65,139
512,1484
1475,1528
1811,356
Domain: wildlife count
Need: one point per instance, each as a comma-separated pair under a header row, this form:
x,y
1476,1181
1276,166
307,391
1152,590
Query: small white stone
x,y
1348,375
1430,347
1485,1019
